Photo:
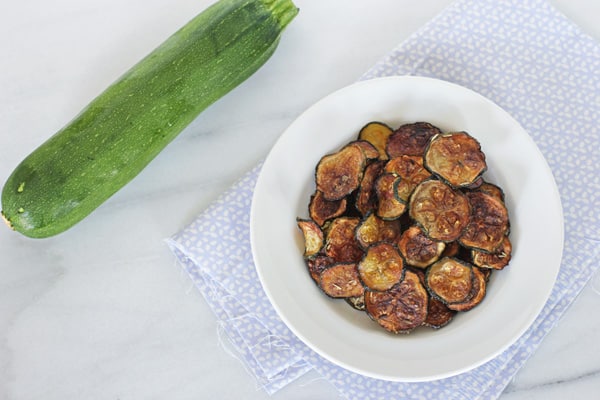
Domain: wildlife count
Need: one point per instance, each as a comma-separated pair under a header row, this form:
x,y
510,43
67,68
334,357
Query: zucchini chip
x,y
438,314
381,267
366,198
389,204
418,249
321,210
376,133
412,172
411,139
478,291
496,260
339,174
341,280
400,309
456,158
488,223
373,229
370,152
492,190
452,249
313,236
441,211
318,264
340,241
450,280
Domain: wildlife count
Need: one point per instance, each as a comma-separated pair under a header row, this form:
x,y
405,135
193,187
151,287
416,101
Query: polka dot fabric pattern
x,y
527,58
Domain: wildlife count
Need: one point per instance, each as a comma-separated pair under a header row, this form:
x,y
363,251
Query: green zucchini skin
x,y
126,126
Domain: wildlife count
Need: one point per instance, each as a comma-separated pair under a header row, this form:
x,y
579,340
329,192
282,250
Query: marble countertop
x,y
103,311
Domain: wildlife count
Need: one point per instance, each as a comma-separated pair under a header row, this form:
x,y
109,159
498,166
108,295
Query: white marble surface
x,y
102,311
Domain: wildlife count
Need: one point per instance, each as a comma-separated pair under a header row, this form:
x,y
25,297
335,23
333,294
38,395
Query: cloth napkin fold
x,y
533,62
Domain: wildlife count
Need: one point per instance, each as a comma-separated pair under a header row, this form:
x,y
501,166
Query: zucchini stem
x,y
283,10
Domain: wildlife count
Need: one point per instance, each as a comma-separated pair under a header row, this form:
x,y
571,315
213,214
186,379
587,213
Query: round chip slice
x,y
401,308
411,171
313,236
496,260
456,158
376,133
321,210
373,229
340,241
450,280
411,139
438,314
341,280
488,223
340,173
381,267
418,249
441,211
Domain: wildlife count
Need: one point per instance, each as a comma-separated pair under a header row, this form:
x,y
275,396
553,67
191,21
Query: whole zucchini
x,y
127,125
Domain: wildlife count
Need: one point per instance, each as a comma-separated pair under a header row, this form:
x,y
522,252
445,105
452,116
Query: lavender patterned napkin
x,y
531,61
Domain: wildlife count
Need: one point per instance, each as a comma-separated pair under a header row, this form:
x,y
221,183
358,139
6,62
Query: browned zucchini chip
x,y
441,211
488,223
376,133
341,280
381,267
450,280
313,236
478,291
366,198
318,264
340,173
456,158
418,249
438,314
340,240
370,152
321,210
412,172
496,260
492,190
358,302
373,229
401,308
411,139
389,204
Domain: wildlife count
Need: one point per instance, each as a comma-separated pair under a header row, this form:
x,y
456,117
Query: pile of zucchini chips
x,y
403,226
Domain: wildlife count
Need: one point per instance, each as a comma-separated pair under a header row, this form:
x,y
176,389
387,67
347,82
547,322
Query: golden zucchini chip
x,y
412,172
340,240
411,139
373,229
488,224
321,210
366,198
450,280
370,152
496,260
456,158
493,190
401,308
318,264
438,314
376,133
418,249
441,211
389,204
341,280
339,174
313,236
381,267
478,291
